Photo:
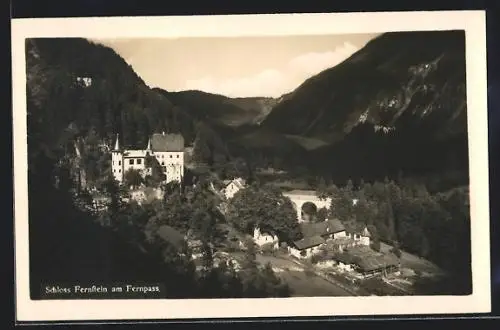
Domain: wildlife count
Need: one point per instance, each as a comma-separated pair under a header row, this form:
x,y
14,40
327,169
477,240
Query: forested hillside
x,y
222,110
396,105
71,125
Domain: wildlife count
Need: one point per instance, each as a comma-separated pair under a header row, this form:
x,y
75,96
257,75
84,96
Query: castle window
x,y
164,168
119,171
163,163
131,161
170,156
139,161
119,163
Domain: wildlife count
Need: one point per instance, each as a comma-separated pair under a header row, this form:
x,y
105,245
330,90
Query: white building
x,y
264,238
85,81
167,149
306,247
232,187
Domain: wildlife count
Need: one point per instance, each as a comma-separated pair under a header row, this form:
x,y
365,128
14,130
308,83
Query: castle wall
x,y
171,162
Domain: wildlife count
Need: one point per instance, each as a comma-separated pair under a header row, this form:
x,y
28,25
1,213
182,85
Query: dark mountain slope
x,y
116,100
222,110
397,105
65,245
422,73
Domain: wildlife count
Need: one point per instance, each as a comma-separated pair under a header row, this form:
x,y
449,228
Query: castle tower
x,y
148,153
117,161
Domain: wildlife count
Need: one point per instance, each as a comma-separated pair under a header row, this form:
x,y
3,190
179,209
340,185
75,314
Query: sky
x,y
235,67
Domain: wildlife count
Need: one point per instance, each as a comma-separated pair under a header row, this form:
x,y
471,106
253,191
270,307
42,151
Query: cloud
x,y
313,63
274,82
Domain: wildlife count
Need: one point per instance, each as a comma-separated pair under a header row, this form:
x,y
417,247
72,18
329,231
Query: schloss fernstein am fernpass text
x,y
102,291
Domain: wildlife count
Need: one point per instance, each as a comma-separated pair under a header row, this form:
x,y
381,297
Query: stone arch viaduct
x,y
300,197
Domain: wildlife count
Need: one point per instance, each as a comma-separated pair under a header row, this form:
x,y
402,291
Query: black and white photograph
x,y
214,167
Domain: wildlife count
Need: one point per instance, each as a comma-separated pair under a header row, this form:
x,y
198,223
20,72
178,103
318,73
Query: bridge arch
x,y
308,211
300,198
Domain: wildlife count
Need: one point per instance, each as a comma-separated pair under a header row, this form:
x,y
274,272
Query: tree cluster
x,y
406,216
264,207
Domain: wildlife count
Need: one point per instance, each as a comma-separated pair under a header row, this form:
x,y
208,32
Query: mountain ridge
x,y
403,95
221,109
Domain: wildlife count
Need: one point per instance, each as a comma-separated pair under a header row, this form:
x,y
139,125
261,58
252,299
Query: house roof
x,y
310,229
309,242
331,226
342,240
167,142
335,225
240,183
377,262
171,235
367,259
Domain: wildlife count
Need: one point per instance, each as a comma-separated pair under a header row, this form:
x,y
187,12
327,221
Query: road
x,y
302,283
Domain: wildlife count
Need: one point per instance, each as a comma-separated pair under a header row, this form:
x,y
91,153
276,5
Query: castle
x,y
168,149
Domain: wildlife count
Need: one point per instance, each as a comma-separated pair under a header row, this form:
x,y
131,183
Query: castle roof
x,y
134,153
167,142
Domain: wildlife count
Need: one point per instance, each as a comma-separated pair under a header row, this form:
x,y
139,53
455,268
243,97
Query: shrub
x,y
267,249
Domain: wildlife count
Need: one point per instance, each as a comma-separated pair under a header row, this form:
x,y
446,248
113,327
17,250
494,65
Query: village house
x,y
315,235
306,247
262,238
367,262
231,187
360,236
167,149
330,234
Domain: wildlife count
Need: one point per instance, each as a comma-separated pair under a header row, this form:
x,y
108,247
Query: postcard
x,y
247,166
